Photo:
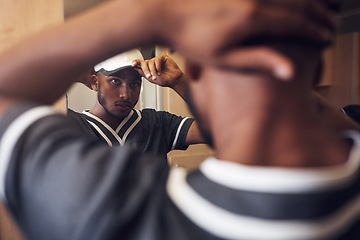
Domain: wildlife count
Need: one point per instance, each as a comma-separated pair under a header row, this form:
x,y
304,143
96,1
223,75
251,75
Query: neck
x,y
111,120
271,123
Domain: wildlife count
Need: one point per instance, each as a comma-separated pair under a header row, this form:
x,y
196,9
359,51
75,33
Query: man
x,y
59,185
114,121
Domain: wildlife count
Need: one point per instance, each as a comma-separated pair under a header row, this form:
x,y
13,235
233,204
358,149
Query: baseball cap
x,y
118,62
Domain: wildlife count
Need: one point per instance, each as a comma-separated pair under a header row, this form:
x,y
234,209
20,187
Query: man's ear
x,y
193,71
94,82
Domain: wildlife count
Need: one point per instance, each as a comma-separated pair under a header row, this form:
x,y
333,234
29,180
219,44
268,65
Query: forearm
x,y
51,61
180,87
57,56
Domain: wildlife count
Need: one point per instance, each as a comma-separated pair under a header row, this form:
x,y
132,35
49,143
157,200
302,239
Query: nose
x,y
125,91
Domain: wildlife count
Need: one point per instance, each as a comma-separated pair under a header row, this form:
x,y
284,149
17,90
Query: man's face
x,y
119,93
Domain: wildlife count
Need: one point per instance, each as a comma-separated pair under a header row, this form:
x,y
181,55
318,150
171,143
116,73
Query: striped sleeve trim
x,y
184,124
105,131
13,134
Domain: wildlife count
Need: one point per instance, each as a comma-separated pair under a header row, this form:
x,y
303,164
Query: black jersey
x,y
59,184
156,132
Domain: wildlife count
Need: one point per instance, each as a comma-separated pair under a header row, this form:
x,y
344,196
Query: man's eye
x,y
135,84
115,81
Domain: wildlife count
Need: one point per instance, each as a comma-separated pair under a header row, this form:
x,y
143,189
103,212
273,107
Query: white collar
x,y
277,179
286,180
122,139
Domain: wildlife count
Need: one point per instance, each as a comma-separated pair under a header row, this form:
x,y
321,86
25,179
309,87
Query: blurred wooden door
x,y
340,83
19,19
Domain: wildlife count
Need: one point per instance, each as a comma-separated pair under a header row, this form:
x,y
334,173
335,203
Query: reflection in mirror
x,y
150,93
80,98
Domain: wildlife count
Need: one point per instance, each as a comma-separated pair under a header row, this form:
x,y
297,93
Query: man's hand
x,y
163,71
214,32
160,70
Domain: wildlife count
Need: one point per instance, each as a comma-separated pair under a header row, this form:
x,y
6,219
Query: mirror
x,y
80,98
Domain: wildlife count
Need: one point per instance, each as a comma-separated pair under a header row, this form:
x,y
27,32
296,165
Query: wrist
x,y
179,85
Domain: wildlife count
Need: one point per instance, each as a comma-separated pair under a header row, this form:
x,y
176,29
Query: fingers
x,y
151,68
151,64
146,68
137,63
158,62
260,59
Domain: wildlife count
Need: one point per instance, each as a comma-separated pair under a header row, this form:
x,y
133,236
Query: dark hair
x,y
353,111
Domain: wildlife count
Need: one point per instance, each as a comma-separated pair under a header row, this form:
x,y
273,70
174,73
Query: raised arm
x,y
163,71
41,68
55,58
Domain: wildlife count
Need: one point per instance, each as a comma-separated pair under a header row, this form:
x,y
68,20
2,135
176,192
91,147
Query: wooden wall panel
x,y
327,76
19,19
344,62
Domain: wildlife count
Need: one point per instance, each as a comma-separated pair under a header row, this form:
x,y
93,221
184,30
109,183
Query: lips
x,y
123,105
